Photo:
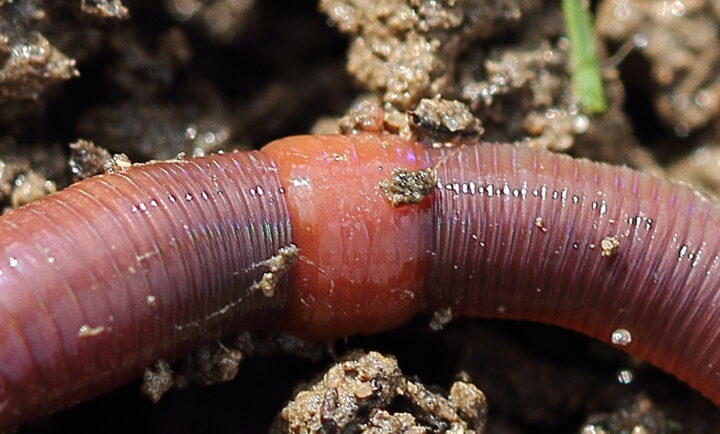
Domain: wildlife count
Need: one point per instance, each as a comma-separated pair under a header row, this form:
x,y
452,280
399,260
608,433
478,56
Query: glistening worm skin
x,y
511,233
106,277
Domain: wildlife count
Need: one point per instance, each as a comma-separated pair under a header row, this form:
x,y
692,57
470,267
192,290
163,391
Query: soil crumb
x,y
29,187
444,123
104,8
368,393
406,186
209,365
157,380
679,39
363,116
87,160
638,417
117,163
219,362
277,266
440,317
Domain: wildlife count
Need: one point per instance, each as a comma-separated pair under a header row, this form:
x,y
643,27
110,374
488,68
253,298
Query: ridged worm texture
x,y
519,234
101,280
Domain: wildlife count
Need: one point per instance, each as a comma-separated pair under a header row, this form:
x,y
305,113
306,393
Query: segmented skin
x,y
661,285
99,281
106,277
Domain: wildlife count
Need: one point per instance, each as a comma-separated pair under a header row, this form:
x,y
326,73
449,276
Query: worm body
x,y
110,275
104,278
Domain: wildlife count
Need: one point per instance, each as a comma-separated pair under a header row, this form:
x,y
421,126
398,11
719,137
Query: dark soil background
x,y
152,79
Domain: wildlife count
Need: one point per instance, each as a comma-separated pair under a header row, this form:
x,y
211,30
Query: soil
x,y
87,86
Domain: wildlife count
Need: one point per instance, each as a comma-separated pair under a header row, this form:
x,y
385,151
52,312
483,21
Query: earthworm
x,y
108,276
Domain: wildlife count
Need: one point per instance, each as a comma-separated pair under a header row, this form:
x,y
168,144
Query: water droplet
x,y
625,376
13,262
621,337
683,250
640,40
581,123
677,8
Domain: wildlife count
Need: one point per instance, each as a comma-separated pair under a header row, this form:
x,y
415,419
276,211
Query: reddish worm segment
x,y
102,279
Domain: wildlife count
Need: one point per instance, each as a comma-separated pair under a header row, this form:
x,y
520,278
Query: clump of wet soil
x,y
88,86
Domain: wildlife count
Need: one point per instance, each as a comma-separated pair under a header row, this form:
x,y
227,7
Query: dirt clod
x,y
675,37
104,8
157,380
440,317
369,393
209,365
440,122
638,417
365,116
117,163
87,160
31,67
29,187
406,186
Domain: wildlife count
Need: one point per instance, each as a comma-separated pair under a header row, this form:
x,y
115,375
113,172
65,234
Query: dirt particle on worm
x,y
407,186
118,163
87,331
277,267
609,246
540,224
157,380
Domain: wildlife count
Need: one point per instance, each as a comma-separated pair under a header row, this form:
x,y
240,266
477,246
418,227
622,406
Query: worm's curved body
x,y
102,279
110,275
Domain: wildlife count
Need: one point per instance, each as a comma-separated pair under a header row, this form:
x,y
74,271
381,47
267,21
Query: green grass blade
x,y
586,76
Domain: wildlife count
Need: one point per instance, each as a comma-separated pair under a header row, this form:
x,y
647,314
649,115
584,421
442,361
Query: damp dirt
x,y
90,86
